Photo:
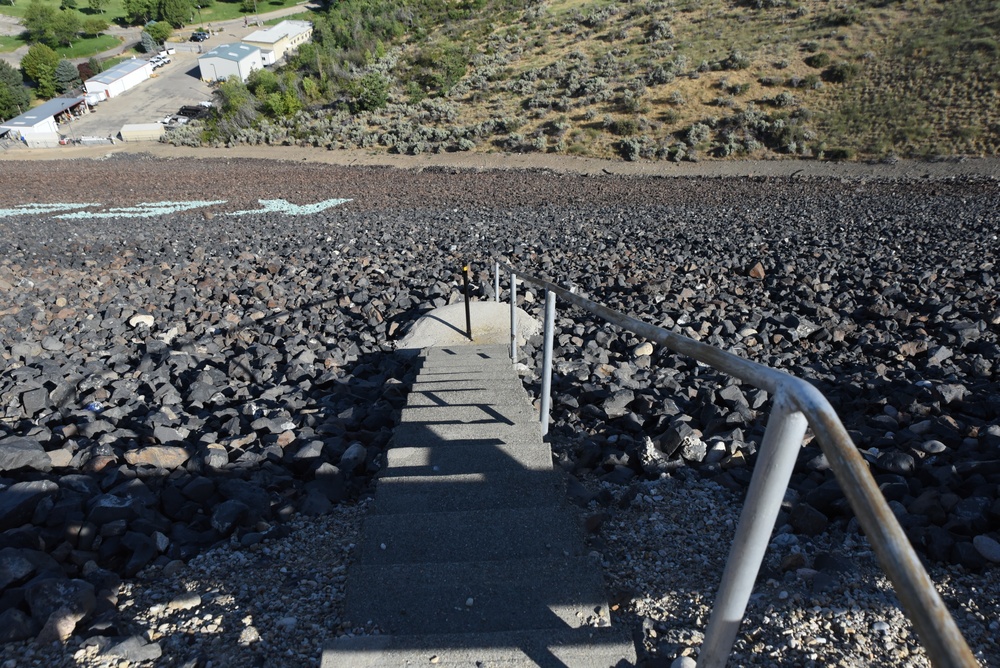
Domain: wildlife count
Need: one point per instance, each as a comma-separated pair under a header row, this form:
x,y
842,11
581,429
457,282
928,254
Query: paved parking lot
x,y
171,87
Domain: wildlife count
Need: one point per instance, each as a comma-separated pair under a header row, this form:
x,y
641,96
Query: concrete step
x,y
491,396
475,491
470,414
494,353
437,373
468,458
470,535
510,384
410,435
563,648
552,593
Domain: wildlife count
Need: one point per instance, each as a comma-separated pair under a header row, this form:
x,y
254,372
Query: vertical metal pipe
x,y
550,325
785,429
496,282
468,315
513,318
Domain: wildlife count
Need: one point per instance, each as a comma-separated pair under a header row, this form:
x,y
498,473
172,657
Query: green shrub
x,y
736,61
818,60
624,127
839,154
840,72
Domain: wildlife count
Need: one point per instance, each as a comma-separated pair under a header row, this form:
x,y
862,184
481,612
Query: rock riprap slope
x,y
176,381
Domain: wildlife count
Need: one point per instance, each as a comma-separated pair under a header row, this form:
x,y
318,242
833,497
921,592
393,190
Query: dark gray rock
x,y
46,596
17,452
895,462
18,502
353,457
16,625
616,405
227,516
134,649
807,520
110,508
14,567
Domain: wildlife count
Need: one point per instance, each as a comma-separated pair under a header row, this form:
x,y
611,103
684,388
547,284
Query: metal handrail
x,y
796,404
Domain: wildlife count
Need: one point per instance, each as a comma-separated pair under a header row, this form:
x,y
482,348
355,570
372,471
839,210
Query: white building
x,y
118,79
38,127
276,41
229,60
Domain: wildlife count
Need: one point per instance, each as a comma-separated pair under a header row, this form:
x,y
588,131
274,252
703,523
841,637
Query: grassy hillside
x,y
650,79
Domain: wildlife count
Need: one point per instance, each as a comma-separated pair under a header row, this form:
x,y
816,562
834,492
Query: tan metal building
x,y
280,39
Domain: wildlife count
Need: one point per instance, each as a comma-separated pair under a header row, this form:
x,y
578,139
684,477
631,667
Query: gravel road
x,y
209,395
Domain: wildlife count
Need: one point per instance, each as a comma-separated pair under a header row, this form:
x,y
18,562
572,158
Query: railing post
x,y
513,318
786,428
468,315
496,282
550,325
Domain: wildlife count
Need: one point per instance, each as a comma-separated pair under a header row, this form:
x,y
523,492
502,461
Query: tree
x,y
96,66
66,27
39,65
237,109
98,5
138,11
94,25
67,4
370,92
39,21
175,12
66,75
160,31
14,95
146,42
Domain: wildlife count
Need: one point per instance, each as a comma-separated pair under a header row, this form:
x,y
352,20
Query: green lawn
x,y
304,16
111,12
224,11
82,48
219,11
88,46
9,43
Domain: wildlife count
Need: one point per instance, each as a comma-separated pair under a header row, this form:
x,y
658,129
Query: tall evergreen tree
x,y
67,76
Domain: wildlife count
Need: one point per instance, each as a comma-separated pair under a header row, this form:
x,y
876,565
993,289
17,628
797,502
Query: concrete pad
x,y
445,326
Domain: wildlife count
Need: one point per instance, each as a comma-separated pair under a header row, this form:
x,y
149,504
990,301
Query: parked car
x,y
193,111
199,36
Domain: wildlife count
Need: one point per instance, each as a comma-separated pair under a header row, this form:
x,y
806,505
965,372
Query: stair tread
x,y
472,491
469,457
470,535
541,593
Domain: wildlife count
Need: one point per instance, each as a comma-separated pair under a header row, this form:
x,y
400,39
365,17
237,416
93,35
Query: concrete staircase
x,y
470,556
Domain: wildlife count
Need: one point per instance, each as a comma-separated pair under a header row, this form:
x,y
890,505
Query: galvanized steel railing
x,y
796,405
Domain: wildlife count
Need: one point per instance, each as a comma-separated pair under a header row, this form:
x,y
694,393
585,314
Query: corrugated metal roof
x,y
234,52
36,115
118,71
276,32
